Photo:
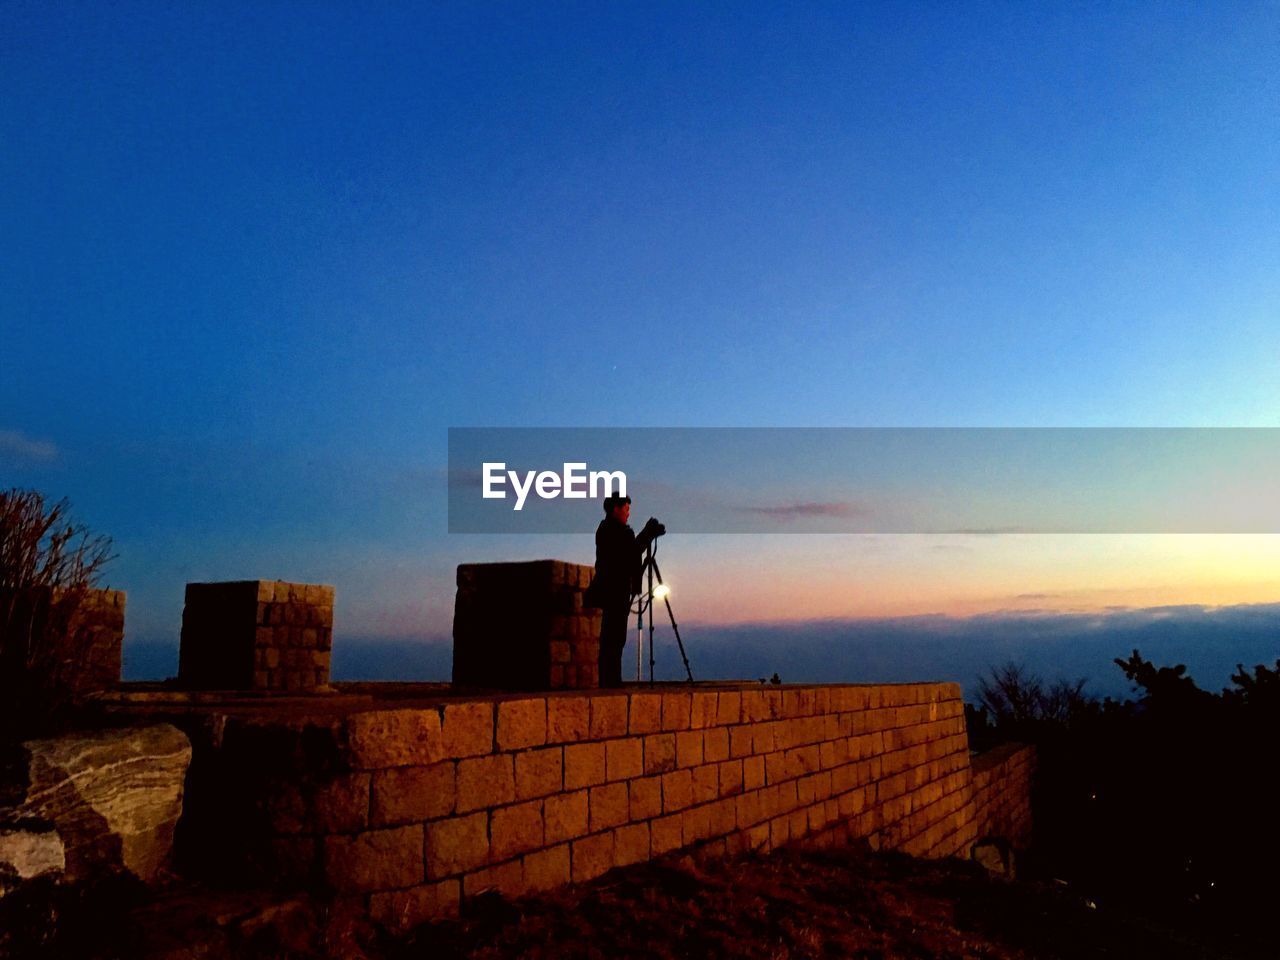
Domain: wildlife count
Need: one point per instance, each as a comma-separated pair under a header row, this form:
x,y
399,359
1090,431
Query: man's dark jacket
x,y
619,558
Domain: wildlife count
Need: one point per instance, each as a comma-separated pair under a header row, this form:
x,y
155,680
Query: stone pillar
x,y
256,635
522,626
100,623
79,638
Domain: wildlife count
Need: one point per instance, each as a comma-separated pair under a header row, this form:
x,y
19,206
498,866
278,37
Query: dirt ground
x,y
792,903
802,904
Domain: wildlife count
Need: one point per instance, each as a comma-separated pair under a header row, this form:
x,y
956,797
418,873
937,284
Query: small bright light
x,y
661,591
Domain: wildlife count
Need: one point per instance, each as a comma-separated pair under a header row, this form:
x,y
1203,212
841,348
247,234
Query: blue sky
x,y
255,259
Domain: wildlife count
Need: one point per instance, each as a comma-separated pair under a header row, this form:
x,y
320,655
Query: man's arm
x,y
651,532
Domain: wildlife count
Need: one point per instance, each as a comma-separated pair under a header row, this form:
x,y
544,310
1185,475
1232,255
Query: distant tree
x,y
1010,695
1018,702
48,564
1259,693
1164,687
1063,701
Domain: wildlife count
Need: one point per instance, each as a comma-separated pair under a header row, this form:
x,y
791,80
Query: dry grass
x,y
796,904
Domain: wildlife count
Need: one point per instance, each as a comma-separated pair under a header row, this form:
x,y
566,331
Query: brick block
x,y
646,713
609,806
645,796
805,790
566,816
772,704
689,748
456,845
568,718
677,790
584,765
515,830
485,782
706,783
783,797
539,772
724,818
624,758
715,744
697,824
631,844
410,794
791,703
666,834
659,753
675,711
702,712
547,869
394,738
374,860
749,810
729,709
730,777
779,831
608,717
592,856
522,723
467,729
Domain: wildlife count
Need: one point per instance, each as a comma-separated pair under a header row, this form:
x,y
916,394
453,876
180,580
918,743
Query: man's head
x,y
618,507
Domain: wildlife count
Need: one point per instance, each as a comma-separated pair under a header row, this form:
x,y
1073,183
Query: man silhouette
x,y
619,560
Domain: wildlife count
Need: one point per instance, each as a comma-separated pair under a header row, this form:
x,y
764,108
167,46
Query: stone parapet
x,y
413,807
1002,793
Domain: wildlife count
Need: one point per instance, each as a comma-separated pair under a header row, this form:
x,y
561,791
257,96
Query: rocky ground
x,y
807,904
789,904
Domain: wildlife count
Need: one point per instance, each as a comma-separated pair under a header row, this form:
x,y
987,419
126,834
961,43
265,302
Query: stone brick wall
x,y
1002,793
256,635
411,808
522,626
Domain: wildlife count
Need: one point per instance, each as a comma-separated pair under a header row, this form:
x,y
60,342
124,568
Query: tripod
x,y
651,569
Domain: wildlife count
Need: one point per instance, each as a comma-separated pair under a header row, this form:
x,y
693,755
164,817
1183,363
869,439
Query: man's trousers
x,y
613,637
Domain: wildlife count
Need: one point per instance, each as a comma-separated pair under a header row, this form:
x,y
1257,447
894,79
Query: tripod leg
x,y
651,564
679,642
654,569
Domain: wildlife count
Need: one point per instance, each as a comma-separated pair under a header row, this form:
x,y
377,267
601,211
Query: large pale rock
x,y
28,849
113,796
